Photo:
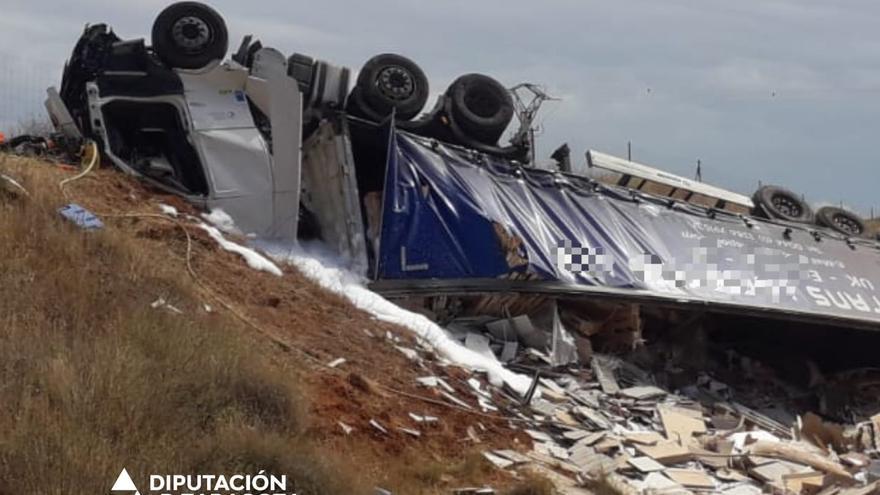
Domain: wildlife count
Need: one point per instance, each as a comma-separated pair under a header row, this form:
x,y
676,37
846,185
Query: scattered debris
x,y
668,453
499,461
643,393
168,210
7,180
645,464
513,456
604,375
472,435
691,478
680,425
615,422
411,432
336,362
798,454
162,303
80,216
423,419
410,354
658,483
508,352
375,424
455,400
428,381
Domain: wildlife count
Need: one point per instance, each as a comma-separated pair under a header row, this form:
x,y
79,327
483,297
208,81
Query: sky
x,y
784,92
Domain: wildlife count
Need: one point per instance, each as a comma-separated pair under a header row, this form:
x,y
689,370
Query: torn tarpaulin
x,y
450,216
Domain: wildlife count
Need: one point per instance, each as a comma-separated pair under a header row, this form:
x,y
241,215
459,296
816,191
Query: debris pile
x,y
605,419
617,427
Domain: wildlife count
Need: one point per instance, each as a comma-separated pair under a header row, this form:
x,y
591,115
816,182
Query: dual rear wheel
x,y
778,203
389,83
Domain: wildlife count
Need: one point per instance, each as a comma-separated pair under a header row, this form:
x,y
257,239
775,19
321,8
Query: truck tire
x,y
391,82
841,221
358,107
302,68
189,35
776,202
481,107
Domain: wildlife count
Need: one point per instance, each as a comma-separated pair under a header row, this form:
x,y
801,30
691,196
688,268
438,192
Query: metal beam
x,y
629,168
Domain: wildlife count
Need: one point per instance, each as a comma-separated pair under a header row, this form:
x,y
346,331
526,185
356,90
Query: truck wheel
x,y
302,68
481,106
189,35
392,82
776,202
357,107
840,220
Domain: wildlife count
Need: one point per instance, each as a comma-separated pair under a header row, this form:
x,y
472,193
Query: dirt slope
x,y
301,327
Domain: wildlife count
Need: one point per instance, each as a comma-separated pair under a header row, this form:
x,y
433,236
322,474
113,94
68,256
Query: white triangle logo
x,y
124,483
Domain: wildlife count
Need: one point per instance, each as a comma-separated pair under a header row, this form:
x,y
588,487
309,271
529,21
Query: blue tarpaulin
x,y
450,214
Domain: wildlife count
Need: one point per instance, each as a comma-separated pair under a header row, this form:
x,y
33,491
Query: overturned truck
x,y
433,208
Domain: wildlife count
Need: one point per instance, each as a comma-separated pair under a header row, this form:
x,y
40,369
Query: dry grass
x,y
425,476
93,379
533,485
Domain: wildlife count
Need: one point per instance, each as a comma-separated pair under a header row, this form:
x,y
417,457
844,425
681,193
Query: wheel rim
x,y
395,83
787,206
847,224
191,33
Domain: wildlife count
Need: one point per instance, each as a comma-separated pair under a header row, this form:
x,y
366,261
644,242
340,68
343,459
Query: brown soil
x,y
304,327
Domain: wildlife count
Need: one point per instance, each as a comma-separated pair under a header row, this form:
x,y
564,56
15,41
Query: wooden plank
x,y
605,376
792,453
643,437
690,478
643,392
667,453
810,481
680,425
645,464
